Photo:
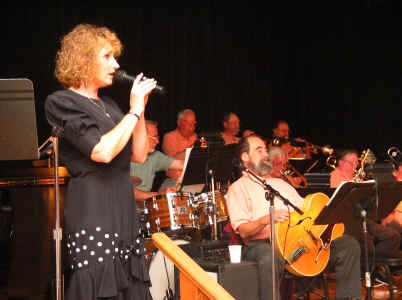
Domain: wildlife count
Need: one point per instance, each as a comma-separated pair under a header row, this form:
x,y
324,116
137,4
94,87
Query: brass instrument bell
x,y
331,161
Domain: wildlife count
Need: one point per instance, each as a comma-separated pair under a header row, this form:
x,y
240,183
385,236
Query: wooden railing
x,y
195,283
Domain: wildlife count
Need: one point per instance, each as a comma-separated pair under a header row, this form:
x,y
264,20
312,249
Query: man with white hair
x,y
279,160
175,143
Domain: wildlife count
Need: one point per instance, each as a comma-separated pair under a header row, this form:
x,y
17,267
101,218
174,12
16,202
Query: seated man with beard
x,y
249,216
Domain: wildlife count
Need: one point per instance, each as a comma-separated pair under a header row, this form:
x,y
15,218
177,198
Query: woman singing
x,y
105,249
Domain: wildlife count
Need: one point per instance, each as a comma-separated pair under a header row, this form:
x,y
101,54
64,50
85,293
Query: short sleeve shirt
x,y
246,201
156,161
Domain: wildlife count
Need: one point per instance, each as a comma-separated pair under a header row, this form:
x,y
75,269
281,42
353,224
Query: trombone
x,y
278,141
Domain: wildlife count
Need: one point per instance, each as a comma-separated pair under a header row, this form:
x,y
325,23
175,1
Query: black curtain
x,y
336,79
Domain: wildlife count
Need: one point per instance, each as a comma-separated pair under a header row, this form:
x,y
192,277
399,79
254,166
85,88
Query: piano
x,y
27,199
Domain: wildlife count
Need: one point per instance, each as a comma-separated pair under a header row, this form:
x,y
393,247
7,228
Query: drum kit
x,y
173,212
176,214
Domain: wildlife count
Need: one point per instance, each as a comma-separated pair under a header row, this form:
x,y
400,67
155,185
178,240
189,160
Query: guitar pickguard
x,y
304,245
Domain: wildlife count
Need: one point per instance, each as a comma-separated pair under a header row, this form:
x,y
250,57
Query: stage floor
x,y
379,293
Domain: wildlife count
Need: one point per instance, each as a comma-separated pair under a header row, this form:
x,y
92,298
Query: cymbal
x,y
135,181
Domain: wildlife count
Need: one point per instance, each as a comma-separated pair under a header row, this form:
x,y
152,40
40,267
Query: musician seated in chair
x,y
282,139
176,142
280,166
249,215
394,219
231,128
382,239
155,162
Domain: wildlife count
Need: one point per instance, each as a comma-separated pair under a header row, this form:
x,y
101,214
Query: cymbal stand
x,y
214,208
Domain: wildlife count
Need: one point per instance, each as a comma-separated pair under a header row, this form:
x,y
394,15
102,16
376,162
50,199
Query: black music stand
x,y
222,162
352,202
18,132
196,168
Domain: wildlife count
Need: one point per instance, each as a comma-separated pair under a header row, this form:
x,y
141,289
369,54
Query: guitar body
x,y
304,245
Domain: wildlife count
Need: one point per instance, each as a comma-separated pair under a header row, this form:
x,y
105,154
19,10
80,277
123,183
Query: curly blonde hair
x,y
76,59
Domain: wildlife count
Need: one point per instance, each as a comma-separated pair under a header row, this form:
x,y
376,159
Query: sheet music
x,y
193,188
188,151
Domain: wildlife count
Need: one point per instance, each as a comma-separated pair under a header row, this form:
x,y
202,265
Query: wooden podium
x,y
195,283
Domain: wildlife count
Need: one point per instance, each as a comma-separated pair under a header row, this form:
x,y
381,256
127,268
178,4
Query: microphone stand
x,y
57,231
270,195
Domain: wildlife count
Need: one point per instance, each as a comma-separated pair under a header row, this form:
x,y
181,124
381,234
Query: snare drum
x,y
159,274
170,211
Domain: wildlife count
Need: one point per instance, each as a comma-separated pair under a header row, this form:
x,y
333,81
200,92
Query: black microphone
x,y
46,152
121,75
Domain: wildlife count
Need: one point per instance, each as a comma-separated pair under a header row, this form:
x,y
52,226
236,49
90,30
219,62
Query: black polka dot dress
x,y
104,244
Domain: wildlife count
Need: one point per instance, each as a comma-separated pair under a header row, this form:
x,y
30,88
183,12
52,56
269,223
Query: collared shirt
x,y
174,143
246,201
156,161
337,177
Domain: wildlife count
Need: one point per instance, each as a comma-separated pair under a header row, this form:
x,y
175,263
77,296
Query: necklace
x,y
100,105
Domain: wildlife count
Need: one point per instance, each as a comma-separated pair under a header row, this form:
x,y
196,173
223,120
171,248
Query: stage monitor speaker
x,y
240,280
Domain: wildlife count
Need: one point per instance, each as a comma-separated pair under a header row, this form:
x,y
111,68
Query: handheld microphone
x,y
121,75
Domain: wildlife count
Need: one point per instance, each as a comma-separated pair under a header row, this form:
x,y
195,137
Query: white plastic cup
x,y
235,253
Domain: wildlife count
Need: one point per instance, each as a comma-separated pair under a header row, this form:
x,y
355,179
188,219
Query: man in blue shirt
x,y
156,161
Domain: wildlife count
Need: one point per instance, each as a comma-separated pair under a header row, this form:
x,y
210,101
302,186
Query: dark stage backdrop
x,y
335,78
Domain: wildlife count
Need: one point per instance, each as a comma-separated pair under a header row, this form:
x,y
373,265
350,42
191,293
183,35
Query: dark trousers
x,y
344,257
384,239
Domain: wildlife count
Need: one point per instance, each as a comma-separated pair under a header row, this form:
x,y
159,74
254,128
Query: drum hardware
x,y
145,226
215,228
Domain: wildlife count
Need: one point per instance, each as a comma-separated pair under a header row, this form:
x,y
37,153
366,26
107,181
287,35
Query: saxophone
x,y
367,157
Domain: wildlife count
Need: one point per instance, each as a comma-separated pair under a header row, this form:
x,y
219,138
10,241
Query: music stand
x,y
222,162
194,172
18,131
352,202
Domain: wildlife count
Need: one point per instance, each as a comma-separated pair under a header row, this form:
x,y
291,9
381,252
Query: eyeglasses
x,y
154,137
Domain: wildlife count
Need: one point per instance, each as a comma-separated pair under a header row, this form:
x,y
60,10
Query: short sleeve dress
x,y
105,247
